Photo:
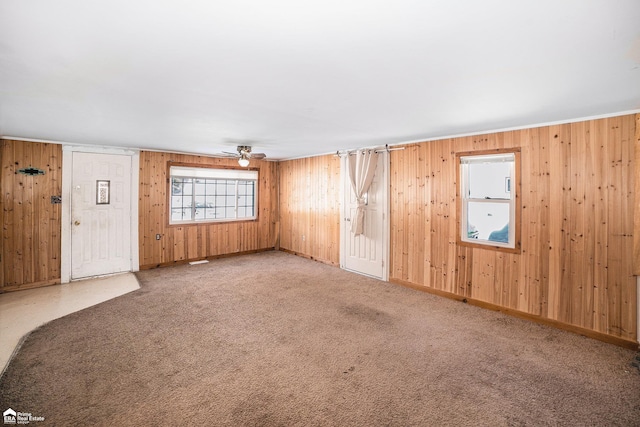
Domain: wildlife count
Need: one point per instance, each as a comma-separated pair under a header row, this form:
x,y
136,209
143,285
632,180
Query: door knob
x,y
76,222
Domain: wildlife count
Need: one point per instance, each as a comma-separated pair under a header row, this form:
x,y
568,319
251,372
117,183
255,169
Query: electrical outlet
x,y
303,238
158,236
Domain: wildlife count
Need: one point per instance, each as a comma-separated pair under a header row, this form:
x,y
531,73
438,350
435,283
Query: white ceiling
x,y
296,78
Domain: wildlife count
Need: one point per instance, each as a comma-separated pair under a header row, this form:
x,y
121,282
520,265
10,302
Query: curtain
x,y
362,167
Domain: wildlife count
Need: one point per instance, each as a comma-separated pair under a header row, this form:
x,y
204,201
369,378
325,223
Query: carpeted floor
x,y
276,340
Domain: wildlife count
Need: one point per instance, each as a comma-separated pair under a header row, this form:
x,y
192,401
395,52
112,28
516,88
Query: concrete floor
x,y
23,311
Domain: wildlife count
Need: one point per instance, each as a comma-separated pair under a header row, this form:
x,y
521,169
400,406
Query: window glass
x,y
489,180
485,221
209,194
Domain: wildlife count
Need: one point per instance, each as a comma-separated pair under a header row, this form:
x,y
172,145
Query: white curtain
x,y
362,167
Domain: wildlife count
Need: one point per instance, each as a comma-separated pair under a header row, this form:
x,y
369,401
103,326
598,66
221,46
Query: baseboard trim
x,y
207,258
41,284
309,257
600,336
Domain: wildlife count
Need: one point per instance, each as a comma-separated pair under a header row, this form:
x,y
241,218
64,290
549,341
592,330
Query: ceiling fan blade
x,y
244,151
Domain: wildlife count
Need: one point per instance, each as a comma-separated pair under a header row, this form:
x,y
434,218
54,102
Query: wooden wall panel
x,y
636,221
31,225
577,225
199,241
310,207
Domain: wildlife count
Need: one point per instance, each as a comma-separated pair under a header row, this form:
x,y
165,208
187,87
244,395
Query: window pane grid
x,y
197,199
181,199
246,193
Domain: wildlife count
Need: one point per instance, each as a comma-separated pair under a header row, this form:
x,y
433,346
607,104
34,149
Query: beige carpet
x,y
273,339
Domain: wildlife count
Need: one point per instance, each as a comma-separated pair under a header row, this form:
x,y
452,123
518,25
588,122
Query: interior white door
x,y
100,214
366,252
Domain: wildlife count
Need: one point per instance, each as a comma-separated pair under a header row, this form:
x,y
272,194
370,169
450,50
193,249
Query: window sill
x,y
491,247
210,221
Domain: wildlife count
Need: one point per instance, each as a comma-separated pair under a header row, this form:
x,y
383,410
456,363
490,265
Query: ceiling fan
x,y
244,154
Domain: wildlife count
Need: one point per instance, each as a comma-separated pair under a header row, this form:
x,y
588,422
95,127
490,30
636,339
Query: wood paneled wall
x,y
576,265
30,253
199,241
310,207
636,216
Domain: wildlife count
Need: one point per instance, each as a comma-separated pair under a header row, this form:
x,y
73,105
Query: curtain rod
x,y
386,148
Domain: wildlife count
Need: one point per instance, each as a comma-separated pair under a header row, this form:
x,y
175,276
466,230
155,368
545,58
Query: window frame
x,y
514,202
181,223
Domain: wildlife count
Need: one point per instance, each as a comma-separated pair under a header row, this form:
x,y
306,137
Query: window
x,y
488,203
206,194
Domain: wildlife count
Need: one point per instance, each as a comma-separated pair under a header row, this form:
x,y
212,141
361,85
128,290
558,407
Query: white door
x,y
100,214
366,253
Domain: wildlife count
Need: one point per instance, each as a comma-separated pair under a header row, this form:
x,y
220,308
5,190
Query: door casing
x,y
67,180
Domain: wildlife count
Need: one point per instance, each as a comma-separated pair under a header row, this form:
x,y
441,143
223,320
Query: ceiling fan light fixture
x,y
243,160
